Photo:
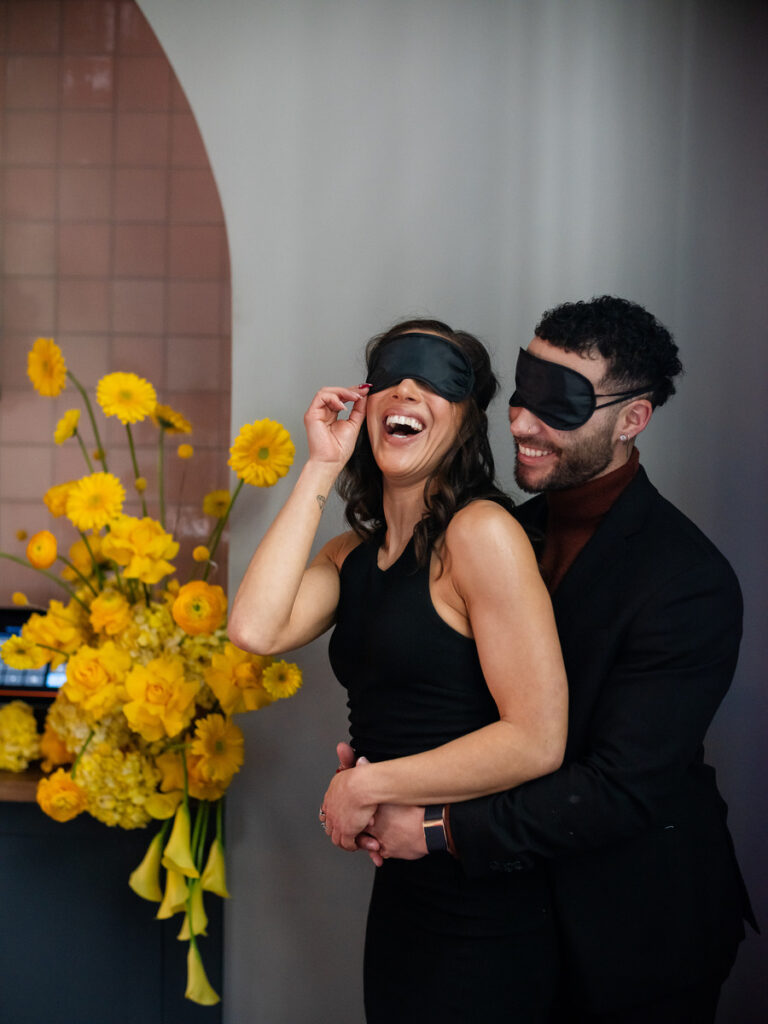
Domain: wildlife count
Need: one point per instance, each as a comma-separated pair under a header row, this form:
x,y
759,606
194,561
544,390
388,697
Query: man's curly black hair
x,y
637,347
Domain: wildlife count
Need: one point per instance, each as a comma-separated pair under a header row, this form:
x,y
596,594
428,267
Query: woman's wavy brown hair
x,y
466,472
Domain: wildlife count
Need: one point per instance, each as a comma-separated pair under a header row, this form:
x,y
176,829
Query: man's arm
x,y
644,734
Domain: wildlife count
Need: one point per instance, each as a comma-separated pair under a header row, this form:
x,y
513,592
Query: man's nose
x,y
522,421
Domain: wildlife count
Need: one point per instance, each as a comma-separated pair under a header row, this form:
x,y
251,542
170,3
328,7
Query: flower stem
x,y
94,560
84,450
61,583
82,751
102,456
161,474
136,472
77,572
216,536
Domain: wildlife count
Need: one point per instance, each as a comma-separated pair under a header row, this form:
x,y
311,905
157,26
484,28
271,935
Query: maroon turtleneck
x,y
573,516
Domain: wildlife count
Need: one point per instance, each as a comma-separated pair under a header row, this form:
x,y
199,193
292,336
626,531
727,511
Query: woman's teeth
x,y
403,425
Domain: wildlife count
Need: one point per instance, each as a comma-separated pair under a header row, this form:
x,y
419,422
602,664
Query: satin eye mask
x,y
561,397
426,358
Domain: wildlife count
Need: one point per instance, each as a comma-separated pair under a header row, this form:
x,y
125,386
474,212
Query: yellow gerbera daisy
x,y
262,453
216,503
218,743
93,500
282,679
46,368
42,549
20,653
127,396
67,426
170,420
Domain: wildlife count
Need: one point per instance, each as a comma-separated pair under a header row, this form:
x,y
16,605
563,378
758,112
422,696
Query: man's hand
x,y
397,831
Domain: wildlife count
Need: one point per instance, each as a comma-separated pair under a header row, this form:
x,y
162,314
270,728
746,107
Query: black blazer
x,y
631,830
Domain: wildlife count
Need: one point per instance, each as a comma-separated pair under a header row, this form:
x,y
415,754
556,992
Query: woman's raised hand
x,y
331,439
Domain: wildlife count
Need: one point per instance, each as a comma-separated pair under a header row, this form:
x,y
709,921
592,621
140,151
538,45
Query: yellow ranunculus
x,y
177,855
46,368
214,876
200,607
142,546
145,879
127,396
199,989
42,549
263,452
175,896
60,796
95,678
55,498
161,699
94,500
67,426
53,749
110,613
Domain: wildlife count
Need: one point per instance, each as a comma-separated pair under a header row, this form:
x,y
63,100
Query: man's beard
x,y
576,465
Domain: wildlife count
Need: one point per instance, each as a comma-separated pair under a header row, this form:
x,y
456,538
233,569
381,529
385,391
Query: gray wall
x,y
478,161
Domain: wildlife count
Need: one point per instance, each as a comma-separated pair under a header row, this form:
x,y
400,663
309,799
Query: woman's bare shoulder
x,y
482,528
336,549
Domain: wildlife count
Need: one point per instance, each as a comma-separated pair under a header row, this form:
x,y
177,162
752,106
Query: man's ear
x,y
635,417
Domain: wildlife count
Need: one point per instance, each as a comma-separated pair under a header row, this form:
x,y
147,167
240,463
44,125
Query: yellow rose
x,y
95,677
161,700
110,613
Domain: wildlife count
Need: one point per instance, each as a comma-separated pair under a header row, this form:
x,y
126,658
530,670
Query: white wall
x,y
477,161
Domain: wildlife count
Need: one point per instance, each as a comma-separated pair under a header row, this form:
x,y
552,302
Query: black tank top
x,y
413,682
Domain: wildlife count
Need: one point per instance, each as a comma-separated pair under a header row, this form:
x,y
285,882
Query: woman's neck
x,y
403,508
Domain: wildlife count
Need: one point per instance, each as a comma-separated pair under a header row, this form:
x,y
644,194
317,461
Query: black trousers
x,y
696,1006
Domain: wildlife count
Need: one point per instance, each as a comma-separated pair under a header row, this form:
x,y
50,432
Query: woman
x,y
446,643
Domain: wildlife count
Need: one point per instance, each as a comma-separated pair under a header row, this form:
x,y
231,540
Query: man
x,y
647,898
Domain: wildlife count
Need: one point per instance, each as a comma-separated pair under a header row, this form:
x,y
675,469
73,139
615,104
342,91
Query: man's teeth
x,y
533,453
405,421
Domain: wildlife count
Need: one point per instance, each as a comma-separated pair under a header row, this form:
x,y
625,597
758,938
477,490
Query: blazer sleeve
x,y
640,757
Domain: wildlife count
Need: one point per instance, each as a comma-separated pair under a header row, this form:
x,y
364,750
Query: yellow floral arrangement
x,y
143,729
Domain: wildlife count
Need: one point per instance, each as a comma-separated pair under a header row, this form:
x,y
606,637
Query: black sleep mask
x,y
561,397
426,358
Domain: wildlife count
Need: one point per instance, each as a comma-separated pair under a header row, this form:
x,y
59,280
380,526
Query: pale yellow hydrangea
x,y
118,784
19,739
